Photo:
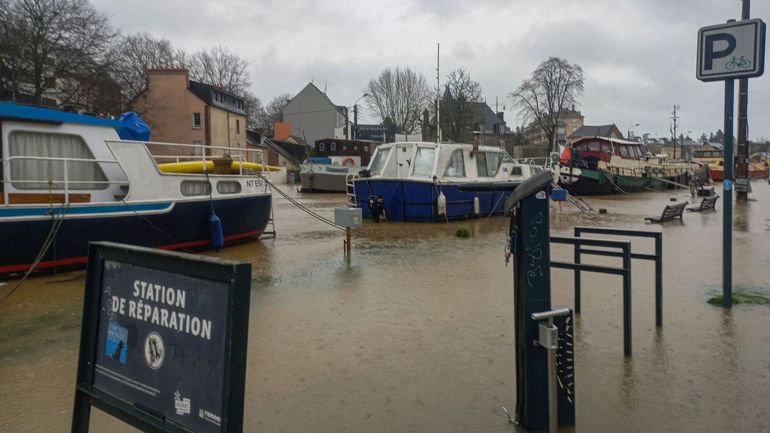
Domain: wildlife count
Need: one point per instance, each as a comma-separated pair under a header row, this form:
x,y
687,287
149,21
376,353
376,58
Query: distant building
x,y
570,121
179,110
610,131
312,115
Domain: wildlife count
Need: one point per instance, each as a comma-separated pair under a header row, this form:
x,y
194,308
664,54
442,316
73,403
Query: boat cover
x,y
132,127
318,160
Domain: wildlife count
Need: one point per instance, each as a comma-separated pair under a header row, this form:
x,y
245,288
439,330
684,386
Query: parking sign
x,y
731,50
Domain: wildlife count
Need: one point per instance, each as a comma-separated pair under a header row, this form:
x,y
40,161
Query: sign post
x,y
163,340
728,52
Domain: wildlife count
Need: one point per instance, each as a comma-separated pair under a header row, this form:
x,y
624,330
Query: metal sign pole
x,y
727,219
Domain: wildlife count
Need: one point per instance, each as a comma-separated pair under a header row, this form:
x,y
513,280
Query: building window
x,y
333,146
237,126
321,147
50,173
196,120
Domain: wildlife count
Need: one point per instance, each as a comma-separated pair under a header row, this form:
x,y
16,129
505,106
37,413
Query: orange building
x,y
179,110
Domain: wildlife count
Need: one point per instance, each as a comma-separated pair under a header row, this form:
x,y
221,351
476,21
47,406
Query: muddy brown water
x,y
415,333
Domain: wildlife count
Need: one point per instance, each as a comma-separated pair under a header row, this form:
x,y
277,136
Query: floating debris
x,y
463,231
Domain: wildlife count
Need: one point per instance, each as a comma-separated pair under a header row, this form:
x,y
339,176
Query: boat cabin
x,y
441,161
604,148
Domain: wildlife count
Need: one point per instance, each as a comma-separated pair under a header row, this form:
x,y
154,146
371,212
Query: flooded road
x,y
415,334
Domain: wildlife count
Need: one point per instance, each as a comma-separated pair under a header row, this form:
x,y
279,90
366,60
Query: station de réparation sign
x,y
731,50
163,341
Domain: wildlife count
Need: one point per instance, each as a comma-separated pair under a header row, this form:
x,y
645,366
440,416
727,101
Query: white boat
x,y
328,174
418,181
69,179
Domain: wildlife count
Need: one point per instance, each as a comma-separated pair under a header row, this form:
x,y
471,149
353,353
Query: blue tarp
x,y
132,127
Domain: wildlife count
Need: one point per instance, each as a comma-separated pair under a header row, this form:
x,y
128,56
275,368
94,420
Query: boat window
x,y
333,146
321,147
624,152
423,161
456,166
228,187
494,159
378,162
481,164
606,148
58,150
195,187
594,146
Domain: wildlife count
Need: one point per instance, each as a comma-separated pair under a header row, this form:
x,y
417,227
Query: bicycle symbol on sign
x,y
739,63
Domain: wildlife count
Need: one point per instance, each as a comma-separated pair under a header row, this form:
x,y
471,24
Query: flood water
x,y
415,334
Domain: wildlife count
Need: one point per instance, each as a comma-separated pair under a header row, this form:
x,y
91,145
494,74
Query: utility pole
x,y
355,120
742,164
438,93
675,119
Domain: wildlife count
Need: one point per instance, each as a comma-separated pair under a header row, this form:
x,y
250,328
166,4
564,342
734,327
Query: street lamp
x,y
355,115
629,130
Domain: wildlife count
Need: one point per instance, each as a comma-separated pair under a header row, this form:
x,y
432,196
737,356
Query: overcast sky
x,y
638,56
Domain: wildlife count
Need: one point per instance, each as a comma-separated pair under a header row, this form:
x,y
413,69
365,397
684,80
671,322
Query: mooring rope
x,y
303,207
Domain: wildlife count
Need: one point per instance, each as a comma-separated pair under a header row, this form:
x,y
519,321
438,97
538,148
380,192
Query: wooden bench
x,y
708,203
669,213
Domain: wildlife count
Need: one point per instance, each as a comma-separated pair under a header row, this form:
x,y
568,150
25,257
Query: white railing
x,y
57,185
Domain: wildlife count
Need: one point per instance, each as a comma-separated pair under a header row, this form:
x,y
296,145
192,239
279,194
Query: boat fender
x,y
476,206
349,162
441,203
217,237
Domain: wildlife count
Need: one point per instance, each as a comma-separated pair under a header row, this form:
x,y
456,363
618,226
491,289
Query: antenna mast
x,y
438,94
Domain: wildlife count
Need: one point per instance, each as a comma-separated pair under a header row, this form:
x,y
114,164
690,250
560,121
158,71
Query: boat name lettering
x,y
255,183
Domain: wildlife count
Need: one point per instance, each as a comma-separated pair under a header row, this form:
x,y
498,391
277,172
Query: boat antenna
x,y
438,93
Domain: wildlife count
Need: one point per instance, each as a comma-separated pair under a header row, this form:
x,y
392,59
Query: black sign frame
x,y
236,275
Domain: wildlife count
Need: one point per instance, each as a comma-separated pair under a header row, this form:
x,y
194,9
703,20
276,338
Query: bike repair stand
x,y
543,377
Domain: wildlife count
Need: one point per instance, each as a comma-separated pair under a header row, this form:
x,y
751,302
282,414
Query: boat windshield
x,y
456,165
488,163
423,161
378,162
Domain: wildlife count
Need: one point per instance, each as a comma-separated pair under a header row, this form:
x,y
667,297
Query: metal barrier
x,y
624,271
657,257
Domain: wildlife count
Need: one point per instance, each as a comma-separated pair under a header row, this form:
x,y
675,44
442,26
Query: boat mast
x,y
438,94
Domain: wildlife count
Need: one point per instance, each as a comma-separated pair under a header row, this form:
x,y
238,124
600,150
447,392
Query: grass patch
x,y
742,298
463,231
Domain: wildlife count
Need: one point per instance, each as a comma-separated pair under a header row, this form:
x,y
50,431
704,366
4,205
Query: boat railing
x,y
162,152
64,184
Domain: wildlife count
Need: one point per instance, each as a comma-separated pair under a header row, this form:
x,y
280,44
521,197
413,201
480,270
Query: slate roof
x,y
218,98
594,131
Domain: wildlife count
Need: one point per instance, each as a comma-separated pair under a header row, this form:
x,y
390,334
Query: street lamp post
x,y
355,115
628,135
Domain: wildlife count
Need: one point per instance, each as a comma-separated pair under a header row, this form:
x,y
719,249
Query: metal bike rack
x,y
624,271
657,257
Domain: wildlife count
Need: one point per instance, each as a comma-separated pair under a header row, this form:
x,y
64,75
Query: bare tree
x,y
553,86
399,95
274,110
131,56
458,105
220,67
254,111
51,39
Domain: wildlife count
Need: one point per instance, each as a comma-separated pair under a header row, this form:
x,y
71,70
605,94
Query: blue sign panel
x,y
161,343
159,348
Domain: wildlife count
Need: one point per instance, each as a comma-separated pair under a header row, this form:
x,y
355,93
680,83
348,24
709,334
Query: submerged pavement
x,y
415,333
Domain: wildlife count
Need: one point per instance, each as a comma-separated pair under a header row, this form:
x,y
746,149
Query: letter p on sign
x,y
731,50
